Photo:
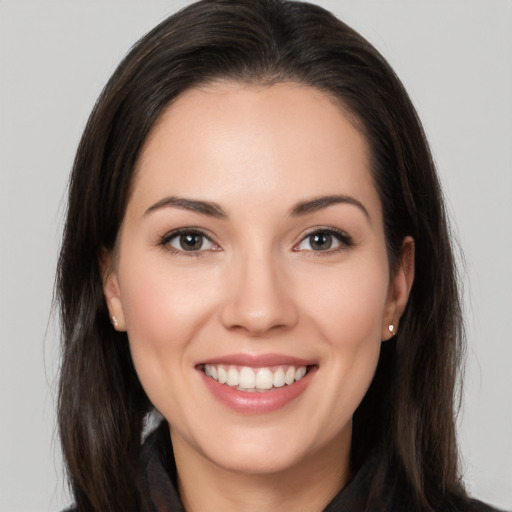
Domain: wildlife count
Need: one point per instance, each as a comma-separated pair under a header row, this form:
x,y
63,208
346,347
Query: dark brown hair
x,y
409,409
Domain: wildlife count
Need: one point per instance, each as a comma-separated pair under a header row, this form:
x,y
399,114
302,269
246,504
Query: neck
x,y
309,485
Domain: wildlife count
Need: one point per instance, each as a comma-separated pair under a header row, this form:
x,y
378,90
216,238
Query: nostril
x,y
257,301
258,330
261,322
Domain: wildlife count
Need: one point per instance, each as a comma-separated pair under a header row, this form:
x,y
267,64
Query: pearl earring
x,y
113,319
391,329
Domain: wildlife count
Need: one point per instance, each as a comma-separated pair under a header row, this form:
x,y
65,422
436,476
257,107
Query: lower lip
x,y
257,402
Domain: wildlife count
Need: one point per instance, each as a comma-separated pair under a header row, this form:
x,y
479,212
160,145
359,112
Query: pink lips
x,y
257,402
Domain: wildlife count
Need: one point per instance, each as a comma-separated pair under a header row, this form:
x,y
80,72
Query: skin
x,y
256,286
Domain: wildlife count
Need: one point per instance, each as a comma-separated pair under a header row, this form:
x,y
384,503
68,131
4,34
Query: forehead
x,y
229,140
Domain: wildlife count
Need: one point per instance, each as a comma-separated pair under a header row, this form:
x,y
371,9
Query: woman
x,y
256,247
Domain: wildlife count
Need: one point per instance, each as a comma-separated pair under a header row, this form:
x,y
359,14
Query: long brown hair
x,y
409,409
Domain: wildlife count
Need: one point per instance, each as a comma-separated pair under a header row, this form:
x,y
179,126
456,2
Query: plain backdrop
x,y
455,58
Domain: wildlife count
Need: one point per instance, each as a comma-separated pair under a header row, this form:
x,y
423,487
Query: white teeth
x,y
245,378
289,378
300,373
233,377
264,379
222,374
278,379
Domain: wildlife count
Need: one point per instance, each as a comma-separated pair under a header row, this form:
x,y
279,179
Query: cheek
x,y
163,310
346,309
348,304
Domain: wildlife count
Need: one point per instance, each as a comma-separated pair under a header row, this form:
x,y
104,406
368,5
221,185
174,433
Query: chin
x,y
264,449
252,459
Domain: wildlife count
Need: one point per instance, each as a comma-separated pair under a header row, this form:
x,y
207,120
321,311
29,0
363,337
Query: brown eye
x,y
320,241
325,240
190,241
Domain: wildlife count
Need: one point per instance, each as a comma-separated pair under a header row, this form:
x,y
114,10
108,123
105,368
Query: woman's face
x,y
252,251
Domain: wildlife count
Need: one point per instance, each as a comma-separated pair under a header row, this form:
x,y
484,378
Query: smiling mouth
x,y
245,378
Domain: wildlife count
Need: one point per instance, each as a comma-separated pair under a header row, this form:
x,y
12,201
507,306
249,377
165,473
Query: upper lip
x,y
257,361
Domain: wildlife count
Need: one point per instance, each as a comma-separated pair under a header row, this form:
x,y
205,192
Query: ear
x,y
399,288
111,291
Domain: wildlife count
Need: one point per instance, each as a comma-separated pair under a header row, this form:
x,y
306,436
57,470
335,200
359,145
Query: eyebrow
x,y
319,203
204,207
214,210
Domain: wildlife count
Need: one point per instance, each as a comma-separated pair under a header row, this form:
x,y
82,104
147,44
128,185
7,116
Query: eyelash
x,y
345,241
165,240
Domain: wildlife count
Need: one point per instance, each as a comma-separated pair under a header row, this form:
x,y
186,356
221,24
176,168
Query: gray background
x,y
455,58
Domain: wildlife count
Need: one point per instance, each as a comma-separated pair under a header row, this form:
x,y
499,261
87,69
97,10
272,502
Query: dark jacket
x,y
160,478
356,496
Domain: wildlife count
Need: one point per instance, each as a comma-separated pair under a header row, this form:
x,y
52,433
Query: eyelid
x,y
344,239
174,233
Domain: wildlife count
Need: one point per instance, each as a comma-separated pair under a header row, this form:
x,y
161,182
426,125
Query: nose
x,y
258,298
